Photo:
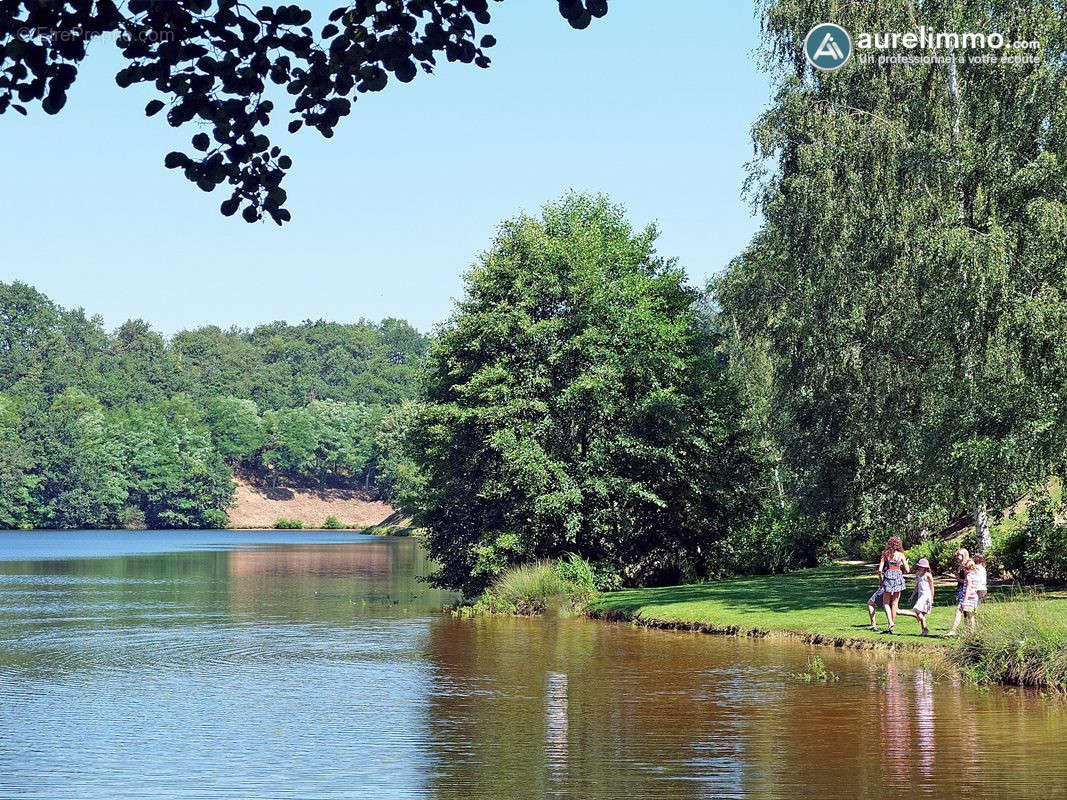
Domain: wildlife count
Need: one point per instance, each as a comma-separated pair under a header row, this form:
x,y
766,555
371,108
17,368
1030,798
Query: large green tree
x,y
237,430
576,401
907,288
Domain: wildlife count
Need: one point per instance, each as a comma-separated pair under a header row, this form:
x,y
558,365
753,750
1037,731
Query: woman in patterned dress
x,y
891,571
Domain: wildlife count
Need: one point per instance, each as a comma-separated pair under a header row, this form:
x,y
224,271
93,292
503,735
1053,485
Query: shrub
x,y
333,524
941,554
1037,549
567,585
576,572
132,519
778,540
284,523
871,549
526,589
605,577
1010,551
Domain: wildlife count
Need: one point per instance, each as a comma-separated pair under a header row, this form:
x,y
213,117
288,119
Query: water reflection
x,y
524,708
321,669
924,724
556,728
371,560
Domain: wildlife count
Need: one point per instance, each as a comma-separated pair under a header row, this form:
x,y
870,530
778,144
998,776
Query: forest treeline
x,y
101,429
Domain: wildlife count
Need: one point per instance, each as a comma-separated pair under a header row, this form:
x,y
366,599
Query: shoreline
x,y
886,644
398,531
1021,638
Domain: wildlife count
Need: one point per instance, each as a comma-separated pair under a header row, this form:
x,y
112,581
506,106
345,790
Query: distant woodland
x,y
101,429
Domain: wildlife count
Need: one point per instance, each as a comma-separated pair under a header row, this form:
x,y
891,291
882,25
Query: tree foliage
x,y
218,63
907,289
129,429
237,430
324,438
45,349
176,478
576,402
16,468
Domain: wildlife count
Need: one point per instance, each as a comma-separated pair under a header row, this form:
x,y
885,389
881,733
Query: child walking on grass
x,y
923,595
966,592
873,604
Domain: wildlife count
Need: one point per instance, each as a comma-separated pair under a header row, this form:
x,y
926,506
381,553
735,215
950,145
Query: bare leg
x,y
956,622
911,612
871,613
890,602
972,623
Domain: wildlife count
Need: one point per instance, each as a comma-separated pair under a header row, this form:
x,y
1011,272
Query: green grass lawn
x,y
828,601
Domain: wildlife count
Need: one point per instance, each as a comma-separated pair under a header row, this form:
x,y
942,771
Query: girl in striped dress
x,y
968,595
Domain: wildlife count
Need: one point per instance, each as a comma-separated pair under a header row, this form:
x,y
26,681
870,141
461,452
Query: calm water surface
x,y
300,665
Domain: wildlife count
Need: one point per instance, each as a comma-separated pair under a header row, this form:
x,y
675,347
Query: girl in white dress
x,y
980,577
923,595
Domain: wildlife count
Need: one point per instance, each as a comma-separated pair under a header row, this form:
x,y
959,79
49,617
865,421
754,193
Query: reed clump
x,y
816,671
565,585
1021,642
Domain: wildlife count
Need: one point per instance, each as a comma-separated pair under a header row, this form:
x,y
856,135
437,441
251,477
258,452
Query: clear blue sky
x,y
651,104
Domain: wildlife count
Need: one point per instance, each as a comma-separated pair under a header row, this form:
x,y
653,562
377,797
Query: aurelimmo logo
x,y
828,47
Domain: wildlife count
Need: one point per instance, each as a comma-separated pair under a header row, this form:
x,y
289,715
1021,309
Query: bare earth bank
x,y
260,506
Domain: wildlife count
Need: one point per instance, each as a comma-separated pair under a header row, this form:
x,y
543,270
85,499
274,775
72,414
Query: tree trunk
x,y
981,527
778,483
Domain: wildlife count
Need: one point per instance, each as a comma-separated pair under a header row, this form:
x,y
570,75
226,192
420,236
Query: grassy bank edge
x,y
805,637
1021,639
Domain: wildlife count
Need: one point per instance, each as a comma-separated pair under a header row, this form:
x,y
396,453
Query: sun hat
x,y
923,563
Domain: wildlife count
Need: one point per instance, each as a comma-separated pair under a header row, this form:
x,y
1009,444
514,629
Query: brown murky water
x,y
222,665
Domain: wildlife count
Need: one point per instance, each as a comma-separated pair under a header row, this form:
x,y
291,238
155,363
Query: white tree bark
x,y
981,527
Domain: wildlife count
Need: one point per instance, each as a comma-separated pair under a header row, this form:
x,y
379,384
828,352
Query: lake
x,y
236,664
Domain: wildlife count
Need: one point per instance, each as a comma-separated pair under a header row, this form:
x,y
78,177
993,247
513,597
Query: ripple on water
x,y
194,675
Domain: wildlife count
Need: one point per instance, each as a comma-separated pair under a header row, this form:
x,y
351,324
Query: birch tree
x,y
908,283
